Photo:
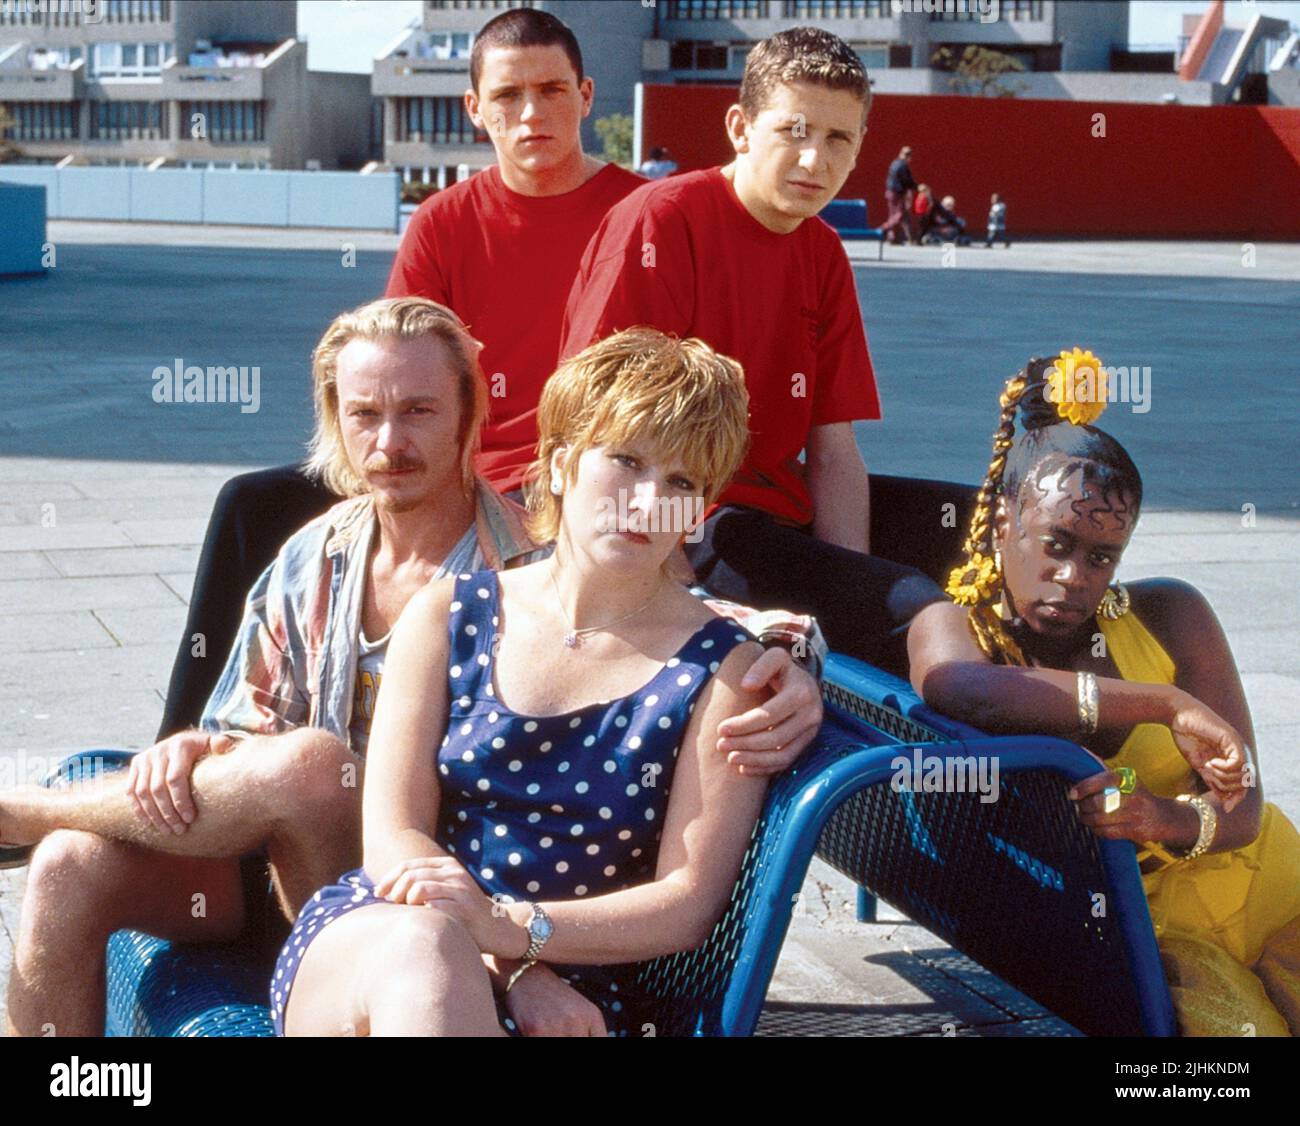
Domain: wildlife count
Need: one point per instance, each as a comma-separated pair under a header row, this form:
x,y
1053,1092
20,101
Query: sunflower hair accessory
x,y
1078,385
973,582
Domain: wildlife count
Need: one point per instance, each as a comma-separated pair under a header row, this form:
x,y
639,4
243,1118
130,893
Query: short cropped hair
x,y
801,54
680,396
523,27
395,318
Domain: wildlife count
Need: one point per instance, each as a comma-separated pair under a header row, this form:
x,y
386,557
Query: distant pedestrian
x,y
899,186
659,165
921,211
946,225
997,222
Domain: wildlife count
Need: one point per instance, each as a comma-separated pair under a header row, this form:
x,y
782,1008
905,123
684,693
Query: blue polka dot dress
x,y
544,808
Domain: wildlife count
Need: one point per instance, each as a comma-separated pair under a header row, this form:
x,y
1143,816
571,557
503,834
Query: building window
x,y
438,121
446,45
475,5
43,121
225,121
1022,9
717,9
127,121
838,9
688,54
874,56
1015,10
136,11
52,58
128,60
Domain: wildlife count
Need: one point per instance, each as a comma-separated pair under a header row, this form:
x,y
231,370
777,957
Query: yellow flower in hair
x,y
1078,385
974,581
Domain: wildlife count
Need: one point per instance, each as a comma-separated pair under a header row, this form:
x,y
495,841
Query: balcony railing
x,y
40,83
221,76
207,82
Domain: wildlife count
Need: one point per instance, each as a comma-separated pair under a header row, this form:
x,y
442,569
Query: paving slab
x,y
81,682
38,596
144,625
83,510
181,583
72,629
166,533
56,727
133,560
26,537
26,565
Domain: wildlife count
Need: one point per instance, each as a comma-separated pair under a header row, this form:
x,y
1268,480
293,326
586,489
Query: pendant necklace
x,y
574,636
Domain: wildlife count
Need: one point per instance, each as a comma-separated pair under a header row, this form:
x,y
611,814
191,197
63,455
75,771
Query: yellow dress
x,y
1227,923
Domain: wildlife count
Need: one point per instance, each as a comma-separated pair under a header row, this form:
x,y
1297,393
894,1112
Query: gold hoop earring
x,y
1115,602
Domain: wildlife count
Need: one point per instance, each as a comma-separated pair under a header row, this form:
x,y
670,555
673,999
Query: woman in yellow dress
x,y
1039,638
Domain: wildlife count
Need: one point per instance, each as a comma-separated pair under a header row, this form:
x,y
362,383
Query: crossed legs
x,y
101,866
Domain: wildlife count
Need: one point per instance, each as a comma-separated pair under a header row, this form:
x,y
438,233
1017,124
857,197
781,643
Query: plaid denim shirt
x,y
294,662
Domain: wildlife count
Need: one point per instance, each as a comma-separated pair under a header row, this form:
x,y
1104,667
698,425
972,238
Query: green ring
x,y
1128,779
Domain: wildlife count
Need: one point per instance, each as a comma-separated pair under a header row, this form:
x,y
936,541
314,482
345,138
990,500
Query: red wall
x,y
1163,171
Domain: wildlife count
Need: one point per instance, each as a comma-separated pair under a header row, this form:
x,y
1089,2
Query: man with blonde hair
x,y
274,763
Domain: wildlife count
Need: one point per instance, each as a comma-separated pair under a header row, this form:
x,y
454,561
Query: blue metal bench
x,y
1010,883
849,218
1018,884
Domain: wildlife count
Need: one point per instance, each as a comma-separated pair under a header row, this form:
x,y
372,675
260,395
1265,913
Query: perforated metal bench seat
x,y
1017,884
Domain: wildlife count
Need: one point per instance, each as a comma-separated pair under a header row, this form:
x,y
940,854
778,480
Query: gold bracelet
x,y
1209,825
518,974
1088,700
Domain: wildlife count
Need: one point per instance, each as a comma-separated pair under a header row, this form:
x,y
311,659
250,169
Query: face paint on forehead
x,y
1064,496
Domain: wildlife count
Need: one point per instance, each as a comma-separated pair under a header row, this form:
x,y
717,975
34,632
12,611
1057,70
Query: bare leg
x,y
298,792
83,887
392,970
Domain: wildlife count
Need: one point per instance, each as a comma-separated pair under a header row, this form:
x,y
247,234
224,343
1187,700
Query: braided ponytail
x,y
977,581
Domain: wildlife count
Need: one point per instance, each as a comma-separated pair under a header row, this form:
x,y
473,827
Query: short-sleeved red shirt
x,y
684,256
504,263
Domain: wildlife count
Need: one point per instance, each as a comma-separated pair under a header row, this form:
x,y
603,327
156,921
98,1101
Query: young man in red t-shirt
x,y
502,247
736,257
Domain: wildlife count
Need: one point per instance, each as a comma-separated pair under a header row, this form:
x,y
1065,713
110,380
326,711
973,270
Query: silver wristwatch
x,y
540,928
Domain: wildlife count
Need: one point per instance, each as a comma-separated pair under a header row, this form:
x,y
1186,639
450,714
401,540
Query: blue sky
x,y
347,34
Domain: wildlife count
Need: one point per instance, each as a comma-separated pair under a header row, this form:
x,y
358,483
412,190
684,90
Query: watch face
x,y
540,927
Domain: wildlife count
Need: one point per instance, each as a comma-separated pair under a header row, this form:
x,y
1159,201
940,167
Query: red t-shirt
x,y
784,305
504,263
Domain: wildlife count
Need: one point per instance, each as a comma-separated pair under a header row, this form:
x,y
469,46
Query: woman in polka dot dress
x,y
541,784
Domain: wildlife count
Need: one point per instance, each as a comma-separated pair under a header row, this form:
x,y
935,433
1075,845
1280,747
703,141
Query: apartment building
x,y
189,83
422,76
